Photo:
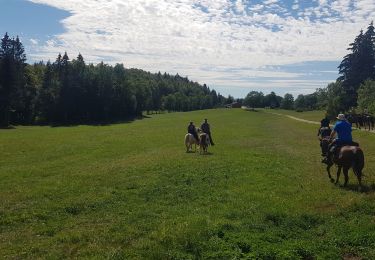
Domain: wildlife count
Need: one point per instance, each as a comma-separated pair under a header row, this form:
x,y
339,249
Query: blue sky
x,y
234,46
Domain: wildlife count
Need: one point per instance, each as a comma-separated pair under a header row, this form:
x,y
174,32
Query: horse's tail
x,y
358,161
186,139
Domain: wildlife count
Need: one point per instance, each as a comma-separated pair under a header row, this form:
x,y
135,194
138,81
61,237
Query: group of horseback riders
x,y
205,128
342,130
365,119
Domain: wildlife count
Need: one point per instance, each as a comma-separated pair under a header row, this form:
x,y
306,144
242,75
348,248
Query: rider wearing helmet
x,y
324,133
192,130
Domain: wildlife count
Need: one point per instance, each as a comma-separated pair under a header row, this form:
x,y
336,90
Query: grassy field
x,y
307,115
129,191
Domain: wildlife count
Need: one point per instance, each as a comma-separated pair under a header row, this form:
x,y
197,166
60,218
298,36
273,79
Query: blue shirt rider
x,y
343,131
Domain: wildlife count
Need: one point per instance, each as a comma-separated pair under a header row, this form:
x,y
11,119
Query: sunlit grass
x,y
131,191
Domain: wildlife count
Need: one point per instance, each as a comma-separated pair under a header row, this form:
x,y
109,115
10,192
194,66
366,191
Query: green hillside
x,y
129,191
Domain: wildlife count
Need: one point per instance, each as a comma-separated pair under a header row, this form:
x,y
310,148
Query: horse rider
x,y
324,123
343,131
206,129
324,133
192,130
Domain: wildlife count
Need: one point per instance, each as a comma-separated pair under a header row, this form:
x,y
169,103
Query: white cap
x,y
341,117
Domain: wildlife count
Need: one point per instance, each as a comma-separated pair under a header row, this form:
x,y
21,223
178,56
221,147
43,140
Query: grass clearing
x,y
131,191
306,115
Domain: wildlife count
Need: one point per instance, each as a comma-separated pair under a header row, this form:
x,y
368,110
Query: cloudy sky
x,y
234,46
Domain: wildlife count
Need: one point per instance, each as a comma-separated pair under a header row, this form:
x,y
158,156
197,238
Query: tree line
x,y
257,99
353,91
70,91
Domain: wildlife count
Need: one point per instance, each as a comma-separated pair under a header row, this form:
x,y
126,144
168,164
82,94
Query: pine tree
x,y
357,66
12,80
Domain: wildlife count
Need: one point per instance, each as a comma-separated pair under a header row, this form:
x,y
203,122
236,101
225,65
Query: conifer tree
x,y
357,66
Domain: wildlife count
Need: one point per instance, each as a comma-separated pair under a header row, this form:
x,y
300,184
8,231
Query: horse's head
x,y
324,142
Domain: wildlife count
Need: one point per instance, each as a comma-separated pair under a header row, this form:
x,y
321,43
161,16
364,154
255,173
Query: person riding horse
x,y
192,130
343,130
206,129
324,133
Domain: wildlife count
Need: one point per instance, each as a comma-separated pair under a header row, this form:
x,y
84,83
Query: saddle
x,y
335,149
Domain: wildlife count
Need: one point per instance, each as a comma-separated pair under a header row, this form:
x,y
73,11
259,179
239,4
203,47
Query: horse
x,y
349,156
190,141
355,119
204,141
368,121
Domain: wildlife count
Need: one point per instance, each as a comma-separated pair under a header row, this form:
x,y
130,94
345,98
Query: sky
x,y
233,46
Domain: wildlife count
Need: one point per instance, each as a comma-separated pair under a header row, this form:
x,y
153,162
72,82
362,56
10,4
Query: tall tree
x,y
287,102
12,81
254,99
358,65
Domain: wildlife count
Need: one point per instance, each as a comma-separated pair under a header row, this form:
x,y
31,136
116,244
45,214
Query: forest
x,y
70,91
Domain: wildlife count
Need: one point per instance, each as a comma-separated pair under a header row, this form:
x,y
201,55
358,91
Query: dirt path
x,y
296,118
311,122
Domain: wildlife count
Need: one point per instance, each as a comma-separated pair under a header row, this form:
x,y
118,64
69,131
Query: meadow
x,y
130,191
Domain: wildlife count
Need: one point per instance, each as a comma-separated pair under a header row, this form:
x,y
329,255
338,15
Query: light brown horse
x,y
348,157
204,141
189,142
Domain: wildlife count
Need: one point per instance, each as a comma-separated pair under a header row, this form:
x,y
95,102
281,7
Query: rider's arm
x,y
333,134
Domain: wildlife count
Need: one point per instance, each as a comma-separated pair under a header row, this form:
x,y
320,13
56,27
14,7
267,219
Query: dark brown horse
x,y
347,157
368,121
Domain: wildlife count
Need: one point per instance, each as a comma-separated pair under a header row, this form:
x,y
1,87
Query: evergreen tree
x,y
12,81
357,66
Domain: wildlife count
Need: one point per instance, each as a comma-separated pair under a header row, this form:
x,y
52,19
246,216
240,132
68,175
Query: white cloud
x,y
34,41
185,36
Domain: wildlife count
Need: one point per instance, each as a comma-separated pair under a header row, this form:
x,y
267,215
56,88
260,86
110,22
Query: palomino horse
x,y
204,141
348,157
189,142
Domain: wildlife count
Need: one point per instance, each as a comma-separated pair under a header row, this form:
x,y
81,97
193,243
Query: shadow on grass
x,y
368,189
250,109
100,123
10,127
208,153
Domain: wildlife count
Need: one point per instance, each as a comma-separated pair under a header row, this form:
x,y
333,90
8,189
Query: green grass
x,y
131,191
307,115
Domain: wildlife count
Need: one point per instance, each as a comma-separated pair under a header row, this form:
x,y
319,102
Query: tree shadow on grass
x,y
10,127
101,122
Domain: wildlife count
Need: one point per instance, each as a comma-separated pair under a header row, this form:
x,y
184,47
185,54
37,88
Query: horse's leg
x,y
359,177
346,175
329,173
338,174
